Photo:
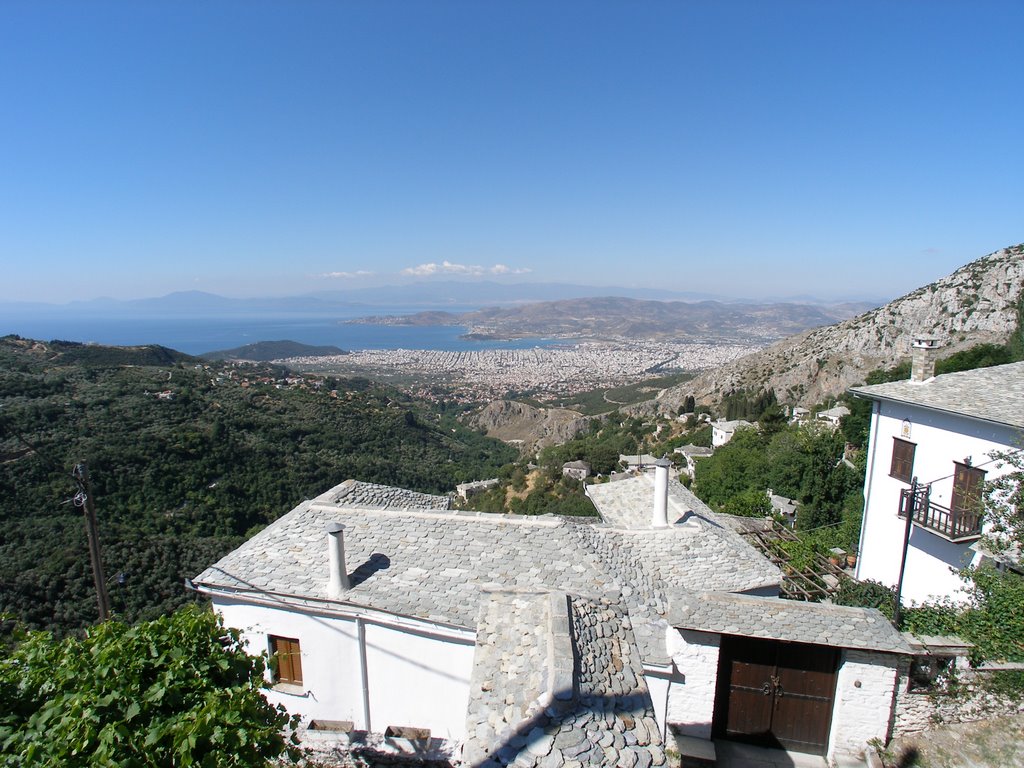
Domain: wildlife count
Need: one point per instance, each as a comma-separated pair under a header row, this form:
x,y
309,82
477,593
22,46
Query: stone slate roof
x,y
993,394
694,450
426,564
558,681
699,550
353,493
790,620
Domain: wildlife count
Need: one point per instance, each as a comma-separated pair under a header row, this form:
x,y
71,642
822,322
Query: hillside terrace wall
x,y
966,702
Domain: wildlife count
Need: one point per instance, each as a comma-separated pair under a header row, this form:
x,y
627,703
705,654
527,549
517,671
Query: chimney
x,y
338,582
923,352
660,516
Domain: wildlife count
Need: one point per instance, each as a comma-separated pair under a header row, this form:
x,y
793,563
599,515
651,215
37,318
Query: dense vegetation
x,y
178,691
805,463
180,479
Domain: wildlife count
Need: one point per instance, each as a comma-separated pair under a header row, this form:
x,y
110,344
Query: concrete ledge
x,y
694,752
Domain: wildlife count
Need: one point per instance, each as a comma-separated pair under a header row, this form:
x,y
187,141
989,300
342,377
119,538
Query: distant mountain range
x,y
615,317
447,295
979,303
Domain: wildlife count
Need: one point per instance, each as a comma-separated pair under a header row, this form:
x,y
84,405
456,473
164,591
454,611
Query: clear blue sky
x,y
741,148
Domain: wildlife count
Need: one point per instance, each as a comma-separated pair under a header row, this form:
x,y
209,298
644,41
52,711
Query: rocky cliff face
x,y
533,427
976,304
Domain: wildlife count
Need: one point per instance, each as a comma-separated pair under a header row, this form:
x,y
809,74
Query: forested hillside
x,y
186,457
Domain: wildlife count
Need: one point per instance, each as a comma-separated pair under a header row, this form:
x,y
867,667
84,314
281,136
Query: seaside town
x,y
563,370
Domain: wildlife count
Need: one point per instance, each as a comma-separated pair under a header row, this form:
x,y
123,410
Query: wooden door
x,y
966,488
775,694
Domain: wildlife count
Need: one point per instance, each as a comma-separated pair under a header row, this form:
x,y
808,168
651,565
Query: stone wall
x,y
967,702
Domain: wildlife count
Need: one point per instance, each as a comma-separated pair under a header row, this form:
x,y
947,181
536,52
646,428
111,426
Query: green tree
x,y
178,691
749,503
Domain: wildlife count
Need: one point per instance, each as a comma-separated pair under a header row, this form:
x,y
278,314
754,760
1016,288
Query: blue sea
x,y
198,335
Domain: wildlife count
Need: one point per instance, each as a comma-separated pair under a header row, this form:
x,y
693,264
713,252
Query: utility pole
x,y
83,500
897,611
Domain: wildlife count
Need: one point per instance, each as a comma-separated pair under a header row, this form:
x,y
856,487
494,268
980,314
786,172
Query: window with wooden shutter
x,y
902,467
287,660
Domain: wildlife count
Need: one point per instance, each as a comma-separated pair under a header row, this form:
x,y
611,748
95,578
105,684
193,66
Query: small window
x,y
286,660
902,467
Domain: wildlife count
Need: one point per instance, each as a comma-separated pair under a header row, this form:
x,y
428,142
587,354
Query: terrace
x,y
956,525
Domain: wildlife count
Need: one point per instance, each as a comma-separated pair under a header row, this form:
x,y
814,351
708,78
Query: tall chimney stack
x,y
924,351
660,517
338,582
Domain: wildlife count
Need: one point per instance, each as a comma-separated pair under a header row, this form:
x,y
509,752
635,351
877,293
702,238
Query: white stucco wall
x,y
940,439
691,698
418,679
417,674
865,690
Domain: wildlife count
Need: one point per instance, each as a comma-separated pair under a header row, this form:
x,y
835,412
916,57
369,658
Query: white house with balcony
x,y
945,432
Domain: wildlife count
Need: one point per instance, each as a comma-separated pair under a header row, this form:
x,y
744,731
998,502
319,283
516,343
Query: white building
x,y
578,470
942,430
508,633
832,416
638,461
690,454
722,431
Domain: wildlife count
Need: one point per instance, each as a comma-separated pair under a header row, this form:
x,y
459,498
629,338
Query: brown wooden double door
x,y
775,694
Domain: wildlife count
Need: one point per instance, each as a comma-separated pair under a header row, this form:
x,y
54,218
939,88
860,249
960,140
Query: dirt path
x,y
997,743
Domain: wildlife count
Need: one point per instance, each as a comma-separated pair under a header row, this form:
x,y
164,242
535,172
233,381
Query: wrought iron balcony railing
x,y
956,525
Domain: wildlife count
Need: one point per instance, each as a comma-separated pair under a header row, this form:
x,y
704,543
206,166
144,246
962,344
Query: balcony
x,y
956,525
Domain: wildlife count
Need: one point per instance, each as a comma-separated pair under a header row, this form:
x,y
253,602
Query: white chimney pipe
x,y
338,582
660,516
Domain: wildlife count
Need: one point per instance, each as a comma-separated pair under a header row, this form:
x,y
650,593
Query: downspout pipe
x,y
363,674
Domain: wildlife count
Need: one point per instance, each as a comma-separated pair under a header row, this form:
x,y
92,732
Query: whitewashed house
x,y
722,431
578,470
832,416
520,636
642,462
690,454
943,431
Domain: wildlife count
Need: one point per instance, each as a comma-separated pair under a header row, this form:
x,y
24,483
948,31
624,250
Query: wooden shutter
x,y
289,660
902,467
967,488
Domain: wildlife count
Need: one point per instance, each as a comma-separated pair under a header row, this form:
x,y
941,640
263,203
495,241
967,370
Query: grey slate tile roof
x,y
436,565
993,394
790,620
701,549
354,493
426,564
558,681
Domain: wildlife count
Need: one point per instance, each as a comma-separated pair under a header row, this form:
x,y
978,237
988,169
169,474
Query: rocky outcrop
x,y
976,304
534,428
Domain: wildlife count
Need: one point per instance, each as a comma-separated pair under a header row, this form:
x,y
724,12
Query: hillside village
x,y
643,638
663,614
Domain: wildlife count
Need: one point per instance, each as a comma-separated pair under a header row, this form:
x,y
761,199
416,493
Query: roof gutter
x,y
312,605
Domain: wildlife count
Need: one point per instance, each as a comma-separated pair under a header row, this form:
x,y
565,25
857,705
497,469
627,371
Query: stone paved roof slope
x,y
699,550
790,620
994,394
354,493
558,681
429,565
